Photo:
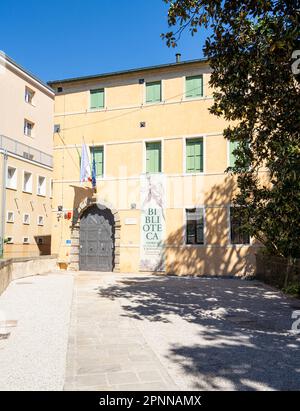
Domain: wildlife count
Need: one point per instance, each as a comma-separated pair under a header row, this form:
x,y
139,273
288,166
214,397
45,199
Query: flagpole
x,y
94,173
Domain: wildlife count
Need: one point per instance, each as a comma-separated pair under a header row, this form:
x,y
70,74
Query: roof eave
x,y
123,72
26,72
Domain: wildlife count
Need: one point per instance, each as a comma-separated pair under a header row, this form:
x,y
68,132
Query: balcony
x,y
27,152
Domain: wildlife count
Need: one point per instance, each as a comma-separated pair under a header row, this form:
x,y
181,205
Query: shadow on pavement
x,y
242,332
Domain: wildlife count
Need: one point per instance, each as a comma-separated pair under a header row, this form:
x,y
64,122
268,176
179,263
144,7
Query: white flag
x,y
85,169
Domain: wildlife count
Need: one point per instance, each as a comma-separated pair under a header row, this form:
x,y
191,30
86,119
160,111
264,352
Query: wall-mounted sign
x,y
68,242
153,222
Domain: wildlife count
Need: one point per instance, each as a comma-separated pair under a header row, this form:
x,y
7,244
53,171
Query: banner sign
x,y
153,222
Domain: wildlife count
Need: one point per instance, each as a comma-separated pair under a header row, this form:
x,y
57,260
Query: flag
x,y
94,173
85,167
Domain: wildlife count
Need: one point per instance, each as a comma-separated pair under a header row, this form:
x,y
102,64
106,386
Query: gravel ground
x,y
36,313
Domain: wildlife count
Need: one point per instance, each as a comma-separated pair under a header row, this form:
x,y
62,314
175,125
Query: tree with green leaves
x,y
250,52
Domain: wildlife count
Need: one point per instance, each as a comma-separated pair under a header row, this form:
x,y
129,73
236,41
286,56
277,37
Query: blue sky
x,y
58,39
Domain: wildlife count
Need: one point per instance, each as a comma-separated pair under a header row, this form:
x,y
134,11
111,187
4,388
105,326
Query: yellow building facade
x,y
163,199
26,162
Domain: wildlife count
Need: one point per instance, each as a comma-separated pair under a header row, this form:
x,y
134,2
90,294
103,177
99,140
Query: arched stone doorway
x,y
103,214
97,240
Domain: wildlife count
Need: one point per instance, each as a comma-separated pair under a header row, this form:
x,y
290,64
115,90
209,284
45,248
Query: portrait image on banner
x,y
153,222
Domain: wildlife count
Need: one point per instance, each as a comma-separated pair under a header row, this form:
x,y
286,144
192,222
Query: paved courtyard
x,y
133,332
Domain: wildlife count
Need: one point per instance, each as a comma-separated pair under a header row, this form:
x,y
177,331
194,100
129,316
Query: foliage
x,y
250,53
293,289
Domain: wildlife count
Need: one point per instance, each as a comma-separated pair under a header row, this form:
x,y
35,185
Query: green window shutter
x,y
194,156
194,87
233,145
97,99
99,157
153,157
153,92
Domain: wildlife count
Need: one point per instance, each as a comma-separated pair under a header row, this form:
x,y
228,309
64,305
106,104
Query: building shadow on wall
x,y
217,256
80,194
43,243
217,333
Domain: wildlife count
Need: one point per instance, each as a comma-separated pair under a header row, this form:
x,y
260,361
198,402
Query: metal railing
x,y
25,151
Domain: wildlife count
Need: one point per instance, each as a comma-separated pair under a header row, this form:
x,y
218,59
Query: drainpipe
x,y
3,202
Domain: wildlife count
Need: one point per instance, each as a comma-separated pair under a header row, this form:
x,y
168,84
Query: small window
x,y
11,177
195,226
237,235
40,220
28,156
29,94
153,92
194,155
10,217
26,240
233,145
26,219
27,182
51,188
41,186
99,160
194,86
97,99
28,127
56,128
9,240
153,157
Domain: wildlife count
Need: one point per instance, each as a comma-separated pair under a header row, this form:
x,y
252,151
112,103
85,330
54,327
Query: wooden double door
x,y
96,240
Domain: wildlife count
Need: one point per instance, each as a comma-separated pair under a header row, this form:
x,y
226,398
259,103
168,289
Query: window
x,y
10,217
26,219
153,92
41,186
27,182
194,86
194,155
153,157
97,99
9,240
233,145
51,188
28,156
237,235
99,159
28,127
11,177
26,240
29,94
40,220
195,226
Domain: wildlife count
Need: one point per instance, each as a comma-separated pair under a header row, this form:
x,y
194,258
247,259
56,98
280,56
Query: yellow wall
x,y
117,128
19,202
14,110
